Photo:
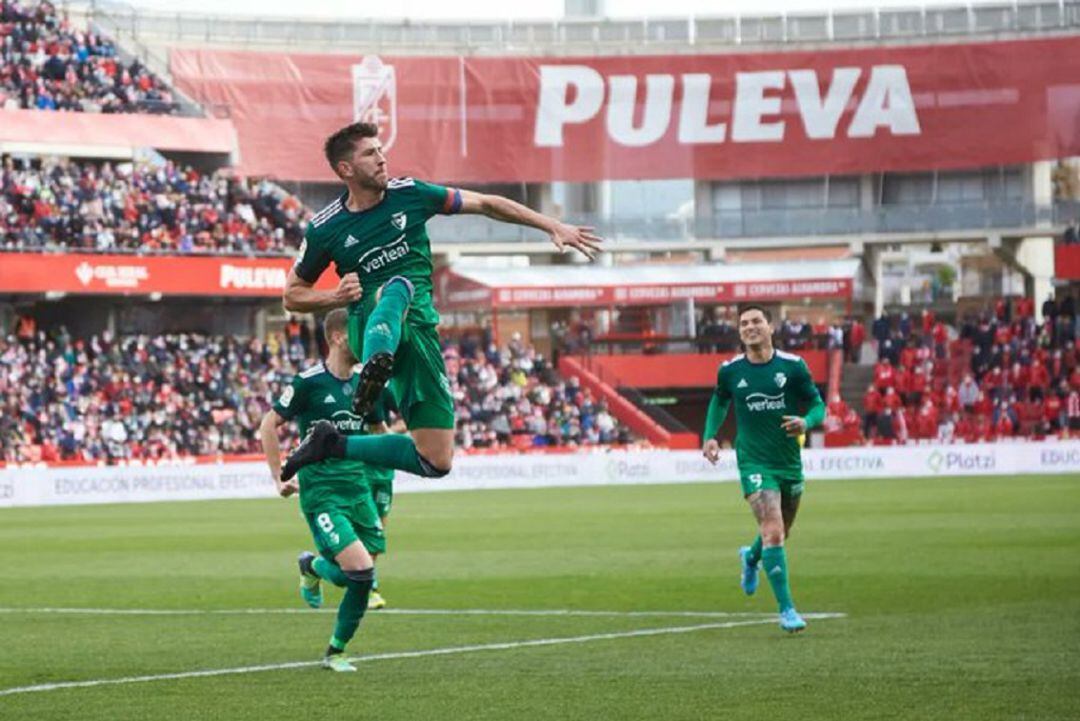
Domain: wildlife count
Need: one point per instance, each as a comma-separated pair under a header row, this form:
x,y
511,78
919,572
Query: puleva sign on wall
x,y
489,119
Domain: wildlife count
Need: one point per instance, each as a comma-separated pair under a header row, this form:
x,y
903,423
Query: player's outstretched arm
x,y
581,238
272,448
301,296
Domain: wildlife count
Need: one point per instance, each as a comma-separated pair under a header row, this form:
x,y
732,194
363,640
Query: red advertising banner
x,y
482,119
453,292
136,275
121,130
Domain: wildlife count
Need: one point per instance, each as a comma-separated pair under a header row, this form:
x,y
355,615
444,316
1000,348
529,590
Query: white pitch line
x,y
450,650
569,613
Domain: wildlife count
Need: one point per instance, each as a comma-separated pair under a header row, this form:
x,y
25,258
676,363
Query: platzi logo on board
x,y
375,97
574,94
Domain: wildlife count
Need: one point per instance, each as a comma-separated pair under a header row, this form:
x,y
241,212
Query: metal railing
x,y
729,225
787,222
563,35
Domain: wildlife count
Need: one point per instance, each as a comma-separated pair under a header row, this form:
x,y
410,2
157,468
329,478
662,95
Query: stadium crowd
x,y
515,398
718,333
141,397
142,207
46,64
999,375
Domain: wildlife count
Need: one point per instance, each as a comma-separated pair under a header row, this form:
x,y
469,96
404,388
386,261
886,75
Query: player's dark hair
x,y
336,321
754,306
341,144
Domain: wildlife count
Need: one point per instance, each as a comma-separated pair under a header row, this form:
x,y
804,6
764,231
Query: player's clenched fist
x,y
711,451
348,289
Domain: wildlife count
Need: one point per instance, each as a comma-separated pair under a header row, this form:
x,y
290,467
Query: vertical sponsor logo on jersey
x,y
375,97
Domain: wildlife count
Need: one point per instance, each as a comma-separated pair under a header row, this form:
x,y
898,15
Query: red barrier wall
x,y
1067,262
625,411
678,370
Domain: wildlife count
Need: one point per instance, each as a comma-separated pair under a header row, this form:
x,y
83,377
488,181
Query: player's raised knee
x,y
440,461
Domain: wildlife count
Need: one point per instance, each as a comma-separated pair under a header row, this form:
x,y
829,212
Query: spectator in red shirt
x,y
892,400
1004,426
1072,411
965,429
1019,377
1000,309
993,381
908,357
858,337
927,322
1052,413
926,422
917,386
983,405
873,404
903,385
950,401
1040,378
884,374
941,339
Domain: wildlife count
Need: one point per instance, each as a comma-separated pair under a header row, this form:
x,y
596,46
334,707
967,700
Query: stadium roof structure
x,y
462,288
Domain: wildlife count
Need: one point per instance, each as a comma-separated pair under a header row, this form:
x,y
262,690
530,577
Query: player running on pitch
x,y
381,482
335,496
376,237
766,386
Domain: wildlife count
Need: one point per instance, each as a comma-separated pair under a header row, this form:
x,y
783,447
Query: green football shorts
x,y
419,384
754,479
335,528
382,490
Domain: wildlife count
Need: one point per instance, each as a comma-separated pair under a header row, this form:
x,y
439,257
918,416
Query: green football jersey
x,y
385,240
763,393
317,394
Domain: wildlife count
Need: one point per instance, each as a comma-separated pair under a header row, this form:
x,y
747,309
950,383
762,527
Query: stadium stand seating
x,y
46,64
999,375
175,396
57,204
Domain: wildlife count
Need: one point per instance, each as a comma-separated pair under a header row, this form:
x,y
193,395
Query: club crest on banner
x,y
375,97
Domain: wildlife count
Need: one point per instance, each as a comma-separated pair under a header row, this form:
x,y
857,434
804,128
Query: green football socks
x,y
755,552
328,571
353,605
390,450
774,561
382,333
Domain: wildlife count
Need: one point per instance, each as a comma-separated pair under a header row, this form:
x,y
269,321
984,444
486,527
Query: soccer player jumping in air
x,y
375,235
336,497
766,386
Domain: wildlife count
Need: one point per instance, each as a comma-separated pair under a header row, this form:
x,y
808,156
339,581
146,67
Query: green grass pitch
x,y
960,595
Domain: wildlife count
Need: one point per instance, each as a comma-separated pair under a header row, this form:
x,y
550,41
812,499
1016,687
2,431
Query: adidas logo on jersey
x,y
743,384
329,398
351,241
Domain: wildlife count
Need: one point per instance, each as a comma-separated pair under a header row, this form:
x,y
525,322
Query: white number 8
x,y
323,519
